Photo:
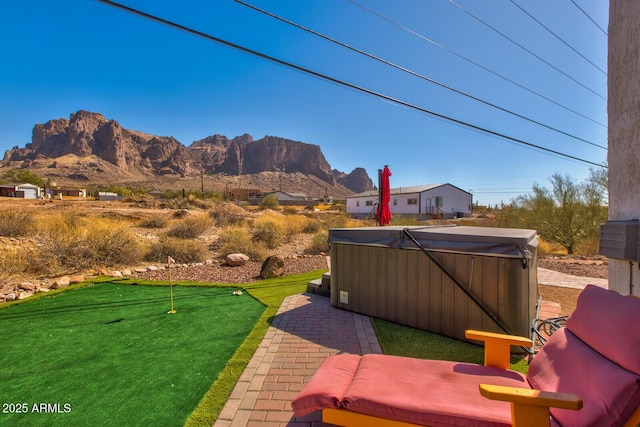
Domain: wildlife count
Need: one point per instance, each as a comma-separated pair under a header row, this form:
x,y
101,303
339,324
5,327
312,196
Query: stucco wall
x,y
624,130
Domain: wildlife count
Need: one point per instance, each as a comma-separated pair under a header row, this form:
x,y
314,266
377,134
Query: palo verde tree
x,y
569,213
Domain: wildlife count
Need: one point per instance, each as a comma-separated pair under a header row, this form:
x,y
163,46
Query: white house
x,y
25,191
423,201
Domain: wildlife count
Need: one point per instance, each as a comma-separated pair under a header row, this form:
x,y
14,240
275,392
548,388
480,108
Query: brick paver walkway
x,y
306,330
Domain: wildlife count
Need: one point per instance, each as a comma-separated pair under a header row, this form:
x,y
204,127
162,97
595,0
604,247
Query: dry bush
x,y
228,214
16,223
190,227
71,243
14,261
319,243
155,221
238,240
181,250
270,233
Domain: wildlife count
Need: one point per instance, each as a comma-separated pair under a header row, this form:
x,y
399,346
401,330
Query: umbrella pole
x,y
379,207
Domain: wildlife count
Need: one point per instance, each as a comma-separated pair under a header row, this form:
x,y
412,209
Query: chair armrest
x,y
530,407
497,347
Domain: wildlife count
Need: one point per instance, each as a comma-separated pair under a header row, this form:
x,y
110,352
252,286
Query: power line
x,y
558,37
590,18
525,49
341,82
452,52
411,72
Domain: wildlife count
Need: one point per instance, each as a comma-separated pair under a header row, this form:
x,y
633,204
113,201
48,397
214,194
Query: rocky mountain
x,y
89,148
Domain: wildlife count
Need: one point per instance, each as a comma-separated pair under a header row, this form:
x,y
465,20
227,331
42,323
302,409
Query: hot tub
x,y
442,279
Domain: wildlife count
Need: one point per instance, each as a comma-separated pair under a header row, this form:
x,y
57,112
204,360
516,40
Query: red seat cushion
x,y
607,322
610,393
327,386
429,392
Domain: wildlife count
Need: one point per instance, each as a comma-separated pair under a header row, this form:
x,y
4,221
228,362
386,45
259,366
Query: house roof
x,y
25,185
404,190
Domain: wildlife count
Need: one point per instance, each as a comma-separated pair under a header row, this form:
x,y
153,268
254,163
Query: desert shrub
x,y
71,243
270,233
295,224
155,221
290,210
190,227
238,240
16,223
311,226
14,261
270,201
228,214
181,250
319,243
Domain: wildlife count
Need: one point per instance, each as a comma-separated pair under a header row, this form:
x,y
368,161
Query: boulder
x,y
10,297
273,266
28,286
236,260
60,282
77,278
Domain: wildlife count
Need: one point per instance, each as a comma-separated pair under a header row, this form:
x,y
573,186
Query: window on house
x,y
439,201
369,203
395,202
358,203
412,201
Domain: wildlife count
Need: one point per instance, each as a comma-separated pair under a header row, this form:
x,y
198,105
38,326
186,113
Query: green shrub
x,y
319,243
155,221
190,227
238,240
16,223
270,201
181,250
269,233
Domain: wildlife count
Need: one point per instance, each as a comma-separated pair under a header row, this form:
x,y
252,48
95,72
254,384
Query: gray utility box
x,y
380,272
619,239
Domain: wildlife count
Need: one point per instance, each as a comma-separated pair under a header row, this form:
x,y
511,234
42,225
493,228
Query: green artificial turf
x,y
109,354
402,340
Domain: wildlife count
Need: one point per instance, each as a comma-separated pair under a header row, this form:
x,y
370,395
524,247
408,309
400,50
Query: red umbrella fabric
x,y
384,211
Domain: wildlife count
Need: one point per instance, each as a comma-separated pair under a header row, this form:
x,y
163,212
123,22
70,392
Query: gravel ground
x,y
222,273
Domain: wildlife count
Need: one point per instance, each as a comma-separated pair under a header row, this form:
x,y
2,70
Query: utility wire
x,y
409,30
590,18
558,37
341,82
413,73
525,49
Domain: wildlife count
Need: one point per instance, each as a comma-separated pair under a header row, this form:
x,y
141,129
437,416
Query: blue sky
x,y
60,57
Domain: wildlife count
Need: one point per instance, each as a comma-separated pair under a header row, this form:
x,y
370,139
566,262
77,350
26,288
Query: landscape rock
x,y
28,286
236,260
10,297
115,273
272,267
126,272
76,278
24,294
60,282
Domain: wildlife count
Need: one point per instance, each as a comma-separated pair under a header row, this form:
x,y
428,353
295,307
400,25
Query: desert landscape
x,y
296,249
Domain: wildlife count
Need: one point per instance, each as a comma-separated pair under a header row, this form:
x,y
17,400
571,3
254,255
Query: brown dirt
x,y
596,267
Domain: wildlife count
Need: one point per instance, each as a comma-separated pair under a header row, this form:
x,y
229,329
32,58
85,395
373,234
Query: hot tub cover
x,y
506,242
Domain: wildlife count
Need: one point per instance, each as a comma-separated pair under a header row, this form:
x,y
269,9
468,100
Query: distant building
x,y
422,201
25,191
286,199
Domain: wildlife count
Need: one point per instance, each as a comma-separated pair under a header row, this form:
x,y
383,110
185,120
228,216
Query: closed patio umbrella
x,y
384,211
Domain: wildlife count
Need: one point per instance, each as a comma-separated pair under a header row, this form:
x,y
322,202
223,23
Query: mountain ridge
x,y
89,148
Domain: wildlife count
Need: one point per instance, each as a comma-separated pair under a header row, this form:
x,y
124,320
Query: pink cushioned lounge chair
x,y
587,374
